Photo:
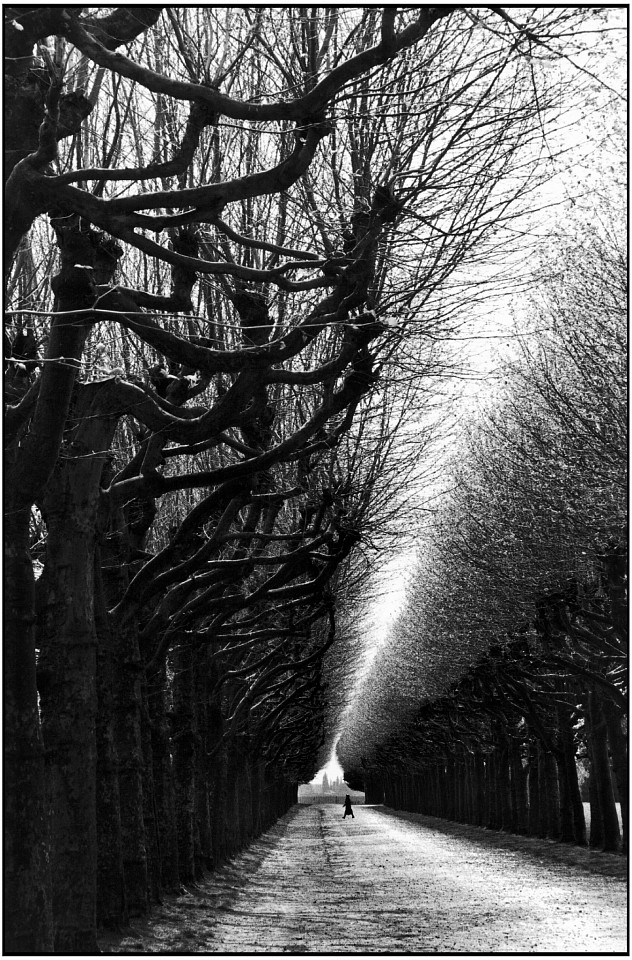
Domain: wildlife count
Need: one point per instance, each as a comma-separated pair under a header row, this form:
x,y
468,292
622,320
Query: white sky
x,y
332,769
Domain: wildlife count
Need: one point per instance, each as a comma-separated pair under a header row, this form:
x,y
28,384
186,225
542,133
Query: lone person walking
x,y
347,808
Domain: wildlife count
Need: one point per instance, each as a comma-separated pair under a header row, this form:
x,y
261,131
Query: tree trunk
x,y
232,805
203,835
480,805
29,468
111,904
128,719
374,790
257,789
245,803
164,791
152,840
469,787
535,818
619,753
449,788
69,660
442,791
519,798
549,795
184,757
218,792
600,768
127,707
596,820
493,818
503,787
573,824
458,773
28,922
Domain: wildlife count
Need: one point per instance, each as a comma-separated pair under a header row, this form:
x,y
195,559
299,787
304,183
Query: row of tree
x,y
506,675
229,239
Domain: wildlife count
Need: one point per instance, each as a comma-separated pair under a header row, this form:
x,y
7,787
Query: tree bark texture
x,y
164,791
572,821
111,897
152,839
184,757
28,920
69,662
128,722
619,757
600,770
203,774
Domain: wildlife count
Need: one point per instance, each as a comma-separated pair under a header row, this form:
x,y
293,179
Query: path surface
x,y
400,883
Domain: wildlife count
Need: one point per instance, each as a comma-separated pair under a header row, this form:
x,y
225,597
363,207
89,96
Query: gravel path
x,y
393,882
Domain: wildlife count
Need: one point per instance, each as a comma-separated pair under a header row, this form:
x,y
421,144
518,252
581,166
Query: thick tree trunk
x,y
224,810
596,820
152,839
164,791
129,745
69,660
600,769
232,804
203,835
265,798
519,798
549,795
28,922
573,824
493,821
71,670
441,805
534,790
245,807
479,790
219,760
458,774
257,790
619,755
503,787
184,757
469,787
69,716
450,780
418,792
127,720
386,786
111,904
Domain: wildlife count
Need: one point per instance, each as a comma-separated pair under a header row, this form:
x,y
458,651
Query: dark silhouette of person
x,y
347,807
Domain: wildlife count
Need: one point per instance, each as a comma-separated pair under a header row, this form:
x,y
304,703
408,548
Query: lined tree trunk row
x,y
184,806
518,784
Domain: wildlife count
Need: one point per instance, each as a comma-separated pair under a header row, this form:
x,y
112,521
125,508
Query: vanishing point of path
x,y
394,882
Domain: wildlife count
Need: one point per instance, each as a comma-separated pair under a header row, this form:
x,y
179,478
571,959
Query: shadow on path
x,y
184,922
594,861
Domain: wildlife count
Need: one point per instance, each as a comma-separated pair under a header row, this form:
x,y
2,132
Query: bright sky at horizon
x,y
332,768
